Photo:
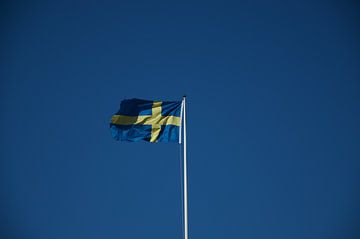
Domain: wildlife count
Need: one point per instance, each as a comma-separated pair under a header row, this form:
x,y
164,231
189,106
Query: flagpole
x,y
185,174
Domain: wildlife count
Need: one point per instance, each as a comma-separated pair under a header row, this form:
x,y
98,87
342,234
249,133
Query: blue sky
x,y
273,119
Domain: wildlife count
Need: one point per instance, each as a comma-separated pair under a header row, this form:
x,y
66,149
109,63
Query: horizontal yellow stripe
x,y
145,120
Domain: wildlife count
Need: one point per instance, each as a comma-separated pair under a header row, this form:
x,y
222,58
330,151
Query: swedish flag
x,y
152,121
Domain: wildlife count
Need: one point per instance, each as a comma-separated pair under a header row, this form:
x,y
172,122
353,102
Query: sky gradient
x,y
273,119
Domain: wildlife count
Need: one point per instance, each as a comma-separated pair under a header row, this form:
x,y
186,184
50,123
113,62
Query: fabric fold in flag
x,y
152,121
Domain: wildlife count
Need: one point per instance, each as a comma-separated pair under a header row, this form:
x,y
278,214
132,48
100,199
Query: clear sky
x,y
273,119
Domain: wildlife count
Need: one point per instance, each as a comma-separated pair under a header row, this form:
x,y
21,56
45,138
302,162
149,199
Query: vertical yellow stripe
x,y
155,131
156,108
156,127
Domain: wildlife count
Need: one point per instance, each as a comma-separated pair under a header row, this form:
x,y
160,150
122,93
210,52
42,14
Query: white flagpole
x,y
185,174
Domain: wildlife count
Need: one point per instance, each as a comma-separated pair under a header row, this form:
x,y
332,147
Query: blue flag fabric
x,y
152,121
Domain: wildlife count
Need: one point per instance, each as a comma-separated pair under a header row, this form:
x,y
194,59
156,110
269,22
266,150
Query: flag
x,y
152,121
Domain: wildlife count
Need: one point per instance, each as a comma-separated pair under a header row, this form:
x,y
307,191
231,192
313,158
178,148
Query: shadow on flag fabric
x,y
151,121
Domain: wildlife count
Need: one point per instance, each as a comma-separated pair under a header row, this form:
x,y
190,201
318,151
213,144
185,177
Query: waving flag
x,y
152,121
